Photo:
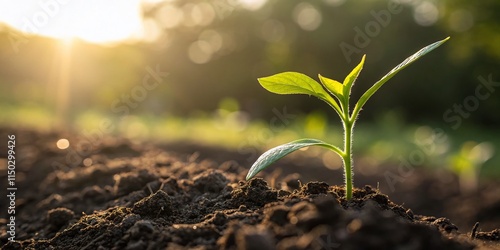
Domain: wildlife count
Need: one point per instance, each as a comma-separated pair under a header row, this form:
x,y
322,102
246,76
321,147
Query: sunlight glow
x,y
92,20
63,83
113,21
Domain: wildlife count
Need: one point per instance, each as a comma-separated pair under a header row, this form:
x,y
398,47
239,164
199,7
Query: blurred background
x,y
167,70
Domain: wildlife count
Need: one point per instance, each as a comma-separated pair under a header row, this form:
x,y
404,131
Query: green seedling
x,y
335,94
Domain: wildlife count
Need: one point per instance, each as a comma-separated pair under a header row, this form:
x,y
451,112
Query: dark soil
x,y
115,194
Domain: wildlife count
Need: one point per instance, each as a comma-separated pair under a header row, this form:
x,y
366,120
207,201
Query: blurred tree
x,y
213,49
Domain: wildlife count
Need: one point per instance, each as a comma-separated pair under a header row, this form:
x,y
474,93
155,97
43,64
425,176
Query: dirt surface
x,y
110,193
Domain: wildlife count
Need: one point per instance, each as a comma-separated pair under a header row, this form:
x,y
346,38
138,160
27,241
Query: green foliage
x,y
297,83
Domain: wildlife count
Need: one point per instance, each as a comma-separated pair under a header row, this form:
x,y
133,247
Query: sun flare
x,y
92,20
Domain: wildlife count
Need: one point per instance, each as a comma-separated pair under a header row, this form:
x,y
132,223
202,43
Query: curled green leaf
x,y
279,152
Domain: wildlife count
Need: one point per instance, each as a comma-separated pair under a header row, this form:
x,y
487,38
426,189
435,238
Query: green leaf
x,y
336,88
279,152
297,83
364,98
292,83
351,78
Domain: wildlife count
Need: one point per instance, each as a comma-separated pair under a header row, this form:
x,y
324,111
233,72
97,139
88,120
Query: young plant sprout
x,y
335,94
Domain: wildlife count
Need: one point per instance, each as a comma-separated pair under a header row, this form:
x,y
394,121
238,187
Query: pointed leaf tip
x,y
364,98
276,153
351,78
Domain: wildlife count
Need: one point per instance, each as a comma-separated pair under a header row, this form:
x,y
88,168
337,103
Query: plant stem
x,y
347,157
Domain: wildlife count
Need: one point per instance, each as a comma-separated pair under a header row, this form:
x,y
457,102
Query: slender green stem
x,y
347,158
347,155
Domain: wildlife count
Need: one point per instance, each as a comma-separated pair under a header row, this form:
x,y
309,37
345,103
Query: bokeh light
x,y
217,49
213,38
62,143
426,13
200,52
252,4
169,16
307,16
87,162
202,14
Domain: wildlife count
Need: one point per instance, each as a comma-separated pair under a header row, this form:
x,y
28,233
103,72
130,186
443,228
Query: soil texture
x,y
111,193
